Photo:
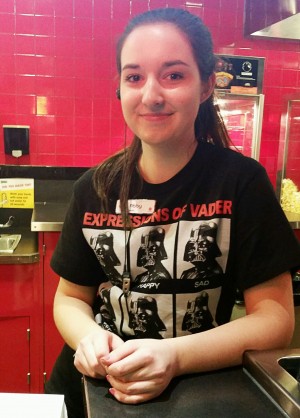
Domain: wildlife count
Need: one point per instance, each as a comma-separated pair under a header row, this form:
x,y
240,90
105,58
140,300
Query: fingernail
x,y
112,391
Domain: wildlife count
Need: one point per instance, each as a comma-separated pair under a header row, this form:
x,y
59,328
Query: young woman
x,y
159,237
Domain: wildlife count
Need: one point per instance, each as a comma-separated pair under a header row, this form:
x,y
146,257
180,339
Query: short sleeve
x,y
265,245
73,258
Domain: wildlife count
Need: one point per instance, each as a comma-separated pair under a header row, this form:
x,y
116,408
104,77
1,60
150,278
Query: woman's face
x,y
160,84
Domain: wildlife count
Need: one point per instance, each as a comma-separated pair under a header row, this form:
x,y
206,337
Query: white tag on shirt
x,y
146,206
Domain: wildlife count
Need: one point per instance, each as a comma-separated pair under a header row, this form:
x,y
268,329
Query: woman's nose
x,y
152,94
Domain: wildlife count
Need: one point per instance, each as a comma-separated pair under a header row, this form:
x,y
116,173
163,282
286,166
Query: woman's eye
x,y
175,76
133,78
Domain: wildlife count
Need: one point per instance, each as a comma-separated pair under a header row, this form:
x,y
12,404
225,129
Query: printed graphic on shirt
x,y
198,317
176,270
136,315
150,256
144,318
103,246
161,215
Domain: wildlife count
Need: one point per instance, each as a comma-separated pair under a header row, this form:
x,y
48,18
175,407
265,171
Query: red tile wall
x,y
57,74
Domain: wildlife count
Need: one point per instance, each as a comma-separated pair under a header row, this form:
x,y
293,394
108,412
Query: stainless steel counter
x,y
26,251
278,373
48,216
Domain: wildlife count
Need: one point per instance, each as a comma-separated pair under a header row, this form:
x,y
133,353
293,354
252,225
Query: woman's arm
x,y
142,369
269,323
75,321
73,314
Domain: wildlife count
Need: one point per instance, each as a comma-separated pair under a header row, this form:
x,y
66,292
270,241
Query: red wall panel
x,y
57,74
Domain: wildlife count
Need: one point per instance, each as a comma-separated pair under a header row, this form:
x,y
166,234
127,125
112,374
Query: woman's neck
x,y
158,164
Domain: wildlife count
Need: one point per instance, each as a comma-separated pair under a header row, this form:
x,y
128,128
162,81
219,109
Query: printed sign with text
x,y
17,193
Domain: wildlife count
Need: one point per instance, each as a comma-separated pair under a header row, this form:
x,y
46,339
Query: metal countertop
x,y
48,216
26,252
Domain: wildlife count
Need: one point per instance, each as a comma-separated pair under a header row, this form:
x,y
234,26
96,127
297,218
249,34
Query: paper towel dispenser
x,y
16,140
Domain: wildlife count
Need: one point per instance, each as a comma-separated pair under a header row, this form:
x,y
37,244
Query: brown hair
x,y
209,126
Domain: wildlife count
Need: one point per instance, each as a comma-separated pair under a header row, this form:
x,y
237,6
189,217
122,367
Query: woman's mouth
x,y
155,117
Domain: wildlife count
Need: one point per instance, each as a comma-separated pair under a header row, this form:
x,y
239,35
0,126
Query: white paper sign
x,y
17,193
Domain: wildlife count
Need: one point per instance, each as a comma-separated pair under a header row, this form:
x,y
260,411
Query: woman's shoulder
x,y
229,158
85,182
86,176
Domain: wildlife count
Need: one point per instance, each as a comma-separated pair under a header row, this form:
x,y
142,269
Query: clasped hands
x,y
137,370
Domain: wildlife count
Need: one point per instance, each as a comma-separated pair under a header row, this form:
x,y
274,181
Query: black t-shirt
x,y
214,227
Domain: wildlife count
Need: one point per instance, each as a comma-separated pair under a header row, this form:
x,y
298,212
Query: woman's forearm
x,y
224,346
269,324
74,319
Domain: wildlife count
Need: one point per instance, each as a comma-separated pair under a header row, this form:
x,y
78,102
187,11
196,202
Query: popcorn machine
x,y
288,175
288,167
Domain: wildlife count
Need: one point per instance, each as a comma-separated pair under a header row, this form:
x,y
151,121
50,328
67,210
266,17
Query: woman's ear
x,y
208,88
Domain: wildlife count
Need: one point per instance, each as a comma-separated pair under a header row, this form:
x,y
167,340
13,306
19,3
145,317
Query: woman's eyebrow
x,y
174,62
166,64
130,67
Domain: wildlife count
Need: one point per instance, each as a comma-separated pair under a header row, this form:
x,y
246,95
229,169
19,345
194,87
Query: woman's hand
x,y
140,370
92,348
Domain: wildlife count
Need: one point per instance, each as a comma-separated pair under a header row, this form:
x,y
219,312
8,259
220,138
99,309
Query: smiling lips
x,y
155,117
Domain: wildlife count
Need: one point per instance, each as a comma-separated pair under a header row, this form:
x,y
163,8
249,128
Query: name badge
x,y
138,206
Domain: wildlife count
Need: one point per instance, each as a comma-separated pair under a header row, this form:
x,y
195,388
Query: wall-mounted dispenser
x,y
16,140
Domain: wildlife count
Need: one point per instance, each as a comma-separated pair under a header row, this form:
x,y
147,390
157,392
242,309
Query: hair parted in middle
x,y
209,125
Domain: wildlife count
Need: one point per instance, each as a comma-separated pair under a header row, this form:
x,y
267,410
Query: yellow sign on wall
x,y
17,193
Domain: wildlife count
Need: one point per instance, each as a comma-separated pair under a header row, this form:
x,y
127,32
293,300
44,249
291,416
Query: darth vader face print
x,y
201,250
150,255
144,318
198,317
103,246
